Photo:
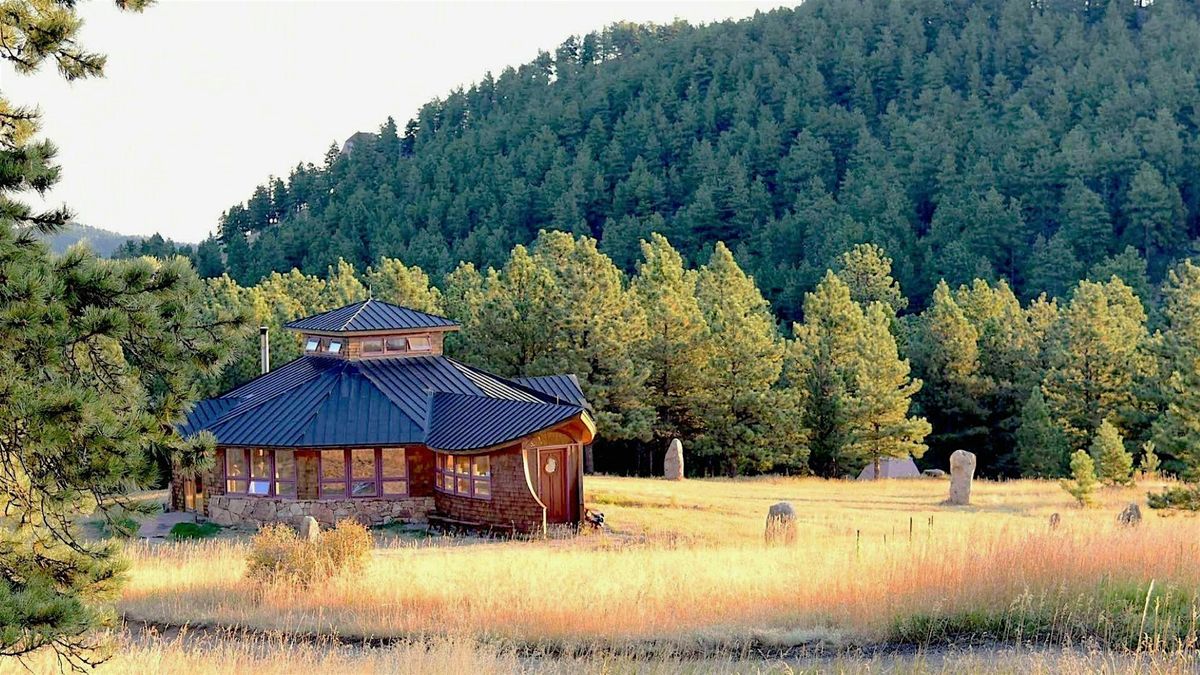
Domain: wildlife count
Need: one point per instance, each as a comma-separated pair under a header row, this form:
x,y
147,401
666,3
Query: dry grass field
x,y
882,577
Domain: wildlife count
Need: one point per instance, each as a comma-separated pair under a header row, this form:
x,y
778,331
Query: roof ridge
x,y
358,311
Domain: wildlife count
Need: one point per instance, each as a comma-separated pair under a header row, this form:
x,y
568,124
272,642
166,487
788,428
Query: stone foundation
x,y
256,511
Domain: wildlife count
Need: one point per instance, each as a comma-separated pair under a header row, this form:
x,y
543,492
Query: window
x,y
397,344
259,472
312,344
467,476
333,473
335,346
364,472
372,346
393,472
419,344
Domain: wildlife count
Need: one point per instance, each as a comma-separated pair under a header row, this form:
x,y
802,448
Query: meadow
x,y
683,580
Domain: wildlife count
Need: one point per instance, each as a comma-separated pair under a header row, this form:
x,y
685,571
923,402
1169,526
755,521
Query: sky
x,y
202,101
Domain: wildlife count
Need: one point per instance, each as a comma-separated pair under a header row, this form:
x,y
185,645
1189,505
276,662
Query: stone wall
x,y
256,511
512,504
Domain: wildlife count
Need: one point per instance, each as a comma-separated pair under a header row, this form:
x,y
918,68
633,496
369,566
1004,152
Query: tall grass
x,y
687,570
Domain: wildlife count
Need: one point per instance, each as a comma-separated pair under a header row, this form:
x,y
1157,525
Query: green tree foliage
x,y
1083,483
867,270
746,421
1097,355
878,408
100,358
1149,463
1177,430
1114,464
960,139
392,281
1042,449
678,348
825,362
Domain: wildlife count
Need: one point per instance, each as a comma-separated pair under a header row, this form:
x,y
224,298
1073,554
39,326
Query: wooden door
x,y
552,484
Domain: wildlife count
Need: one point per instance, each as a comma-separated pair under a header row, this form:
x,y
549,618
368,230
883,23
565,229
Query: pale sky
x,y
204,100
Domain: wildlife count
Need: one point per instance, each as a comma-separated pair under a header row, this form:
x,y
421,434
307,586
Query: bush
x,y
119,524
1184,498
278,555
182,531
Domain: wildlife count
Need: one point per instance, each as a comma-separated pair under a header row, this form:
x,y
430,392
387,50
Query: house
x,y
891,467
373,422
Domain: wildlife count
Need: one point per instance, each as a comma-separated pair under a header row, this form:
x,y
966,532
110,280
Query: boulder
x,y
673,464
933,473
1131,516
310,530
781,524
962,471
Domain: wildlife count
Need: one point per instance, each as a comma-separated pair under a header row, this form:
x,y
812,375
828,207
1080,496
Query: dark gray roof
x,y
318,401
564,388
371,315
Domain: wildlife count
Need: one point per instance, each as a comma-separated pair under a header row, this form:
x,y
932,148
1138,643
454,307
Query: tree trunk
x,y
589,460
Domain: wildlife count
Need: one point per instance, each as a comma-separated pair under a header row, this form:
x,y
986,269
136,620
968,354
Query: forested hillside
x,y
994,139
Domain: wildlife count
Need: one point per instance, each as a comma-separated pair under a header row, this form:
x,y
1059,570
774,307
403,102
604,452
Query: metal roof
x,y
462,422
317,401
562,388
370,315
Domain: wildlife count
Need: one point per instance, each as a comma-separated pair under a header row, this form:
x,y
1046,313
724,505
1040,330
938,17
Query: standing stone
x,y
673,464
1055,521
781,524
1131,516
962,470
309,529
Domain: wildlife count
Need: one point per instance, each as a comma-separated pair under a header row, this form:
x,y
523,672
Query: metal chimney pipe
x,y
264,345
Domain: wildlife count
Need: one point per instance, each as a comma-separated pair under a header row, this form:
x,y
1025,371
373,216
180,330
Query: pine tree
x,y
1097,353
342,286
677,349
1042,449
1085,223
392,281
1154,209
867,270
1114,464
744,421
1149,463
877,411
1177,430
1082,485
600,325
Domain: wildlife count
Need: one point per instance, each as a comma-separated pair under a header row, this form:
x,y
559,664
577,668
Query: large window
x,y
364,472
259,472
466,476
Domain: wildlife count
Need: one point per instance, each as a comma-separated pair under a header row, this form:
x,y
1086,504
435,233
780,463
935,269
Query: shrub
x,y
183,531
1083,473
278,555
1186,498
119,524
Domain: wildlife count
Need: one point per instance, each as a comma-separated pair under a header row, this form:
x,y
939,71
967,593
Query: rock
x,y
934,473
1055,520
1131,516
781,524
962,470
309,529
673,464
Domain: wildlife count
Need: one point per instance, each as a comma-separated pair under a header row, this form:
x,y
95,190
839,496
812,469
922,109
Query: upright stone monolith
x,y
1131,516
962,470
781,524
310,530
673,464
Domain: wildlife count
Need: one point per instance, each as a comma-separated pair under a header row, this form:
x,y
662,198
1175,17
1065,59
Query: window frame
x,y
348,480
447,477
272,478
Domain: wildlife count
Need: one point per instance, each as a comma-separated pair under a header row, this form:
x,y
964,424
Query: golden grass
x,y
687,570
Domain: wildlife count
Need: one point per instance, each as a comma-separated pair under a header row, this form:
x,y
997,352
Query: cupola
x,y
373,329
